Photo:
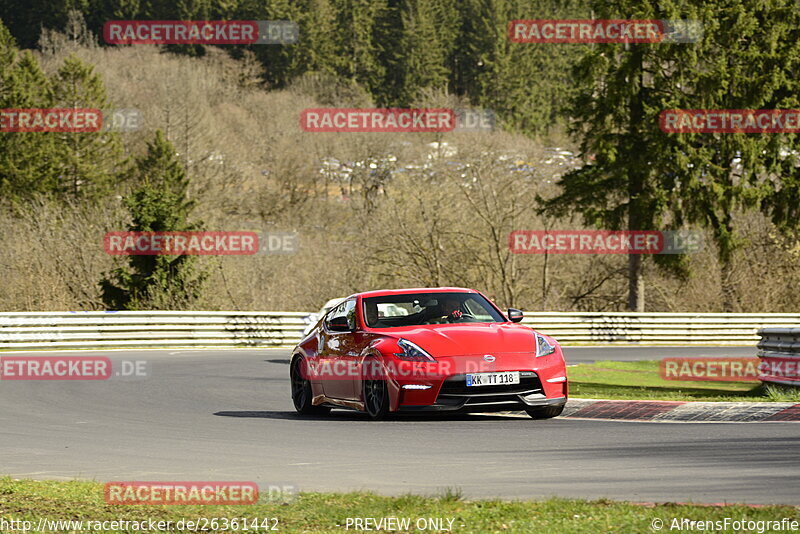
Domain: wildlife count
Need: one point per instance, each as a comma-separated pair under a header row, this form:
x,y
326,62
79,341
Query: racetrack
x,y
227,415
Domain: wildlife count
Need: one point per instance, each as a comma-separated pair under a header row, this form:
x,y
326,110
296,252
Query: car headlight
x,y
412,351
543,347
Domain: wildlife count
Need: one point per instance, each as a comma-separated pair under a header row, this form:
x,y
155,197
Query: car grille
x,y
456,386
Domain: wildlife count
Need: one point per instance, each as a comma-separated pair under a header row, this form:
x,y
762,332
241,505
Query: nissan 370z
x,y
426,350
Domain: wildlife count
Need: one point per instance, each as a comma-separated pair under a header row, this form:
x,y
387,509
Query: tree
x,y
527,85
749,59
645,179
159,204
88,163
8,55
359,45
425,41
27,159
280,61
26,19
615,116
315,50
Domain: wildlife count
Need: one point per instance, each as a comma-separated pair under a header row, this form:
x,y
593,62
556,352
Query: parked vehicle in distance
x,y
417,350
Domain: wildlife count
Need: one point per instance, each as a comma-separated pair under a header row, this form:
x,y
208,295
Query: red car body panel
x,y
348,357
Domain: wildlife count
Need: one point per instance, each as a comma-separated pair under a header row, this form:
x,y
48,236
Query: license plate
x,y
493,379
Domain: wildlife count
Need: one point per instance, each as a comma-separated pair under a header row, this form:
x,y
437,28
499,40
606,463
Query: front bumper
x,y
494,406
455,396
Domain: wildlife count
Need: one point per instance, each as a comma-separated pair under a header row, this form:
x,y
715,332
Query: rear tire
x,y
301,391
376,399
546,412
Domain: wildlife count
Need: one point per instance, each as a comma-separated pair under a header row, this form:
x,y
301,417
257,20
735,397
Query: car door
x,y
336,354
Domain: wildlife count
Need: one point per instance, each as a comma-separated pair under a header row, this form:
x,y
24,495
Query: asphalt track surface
x,y
227,415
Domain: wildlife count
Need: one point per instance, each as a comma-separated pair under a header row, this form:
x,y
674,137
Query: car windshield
x,y
412,309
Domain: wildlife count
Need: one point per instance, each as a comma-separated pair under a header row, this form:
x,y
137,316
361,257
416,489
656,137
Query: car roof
x,y
385,292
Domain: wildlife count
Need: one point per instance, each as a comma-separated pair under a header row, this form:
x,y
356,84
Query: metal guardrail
x,y
65,330
629,328
779,350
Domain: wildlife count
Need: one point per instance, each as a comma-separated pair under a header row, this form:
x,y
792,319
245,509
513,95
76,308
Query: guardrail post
x,y
779,350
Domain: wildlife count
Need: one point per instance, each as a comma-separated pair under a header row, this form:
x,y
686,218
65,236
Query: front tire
x,y
546,412
376,399
301,391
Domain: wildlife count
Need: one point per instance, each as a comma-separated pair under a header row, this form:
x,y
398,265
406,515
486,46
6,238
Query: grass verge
x,y
27,500
642,381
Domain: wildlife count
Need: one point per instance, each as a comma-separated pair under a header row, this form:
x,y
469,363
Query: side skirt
x,y
353,405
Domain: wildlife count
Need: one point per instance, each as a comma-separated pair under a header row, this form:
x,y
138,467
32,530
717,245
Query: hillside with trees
x,y
576,145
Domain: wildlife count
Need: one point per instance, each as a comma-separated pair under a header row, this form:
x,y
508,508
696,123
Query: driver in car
x,y
451,311
371,315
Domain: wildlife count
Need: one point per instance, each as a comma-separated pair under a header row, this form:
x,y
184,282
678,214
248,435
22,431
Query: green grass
x,y
641,380
328,512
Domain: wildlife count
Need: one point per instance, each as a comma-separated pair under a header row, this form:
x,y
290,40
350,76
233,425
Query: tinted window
x,y
428,308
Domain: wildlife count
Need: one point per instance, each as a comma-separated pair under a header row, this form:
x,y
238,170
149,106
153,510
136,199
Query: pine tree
x,y
27,159
8,58
642,178
158,204
616,118
358,44
8,55
26,19
279,61
423,50
88,163
527,85
748,59
316,48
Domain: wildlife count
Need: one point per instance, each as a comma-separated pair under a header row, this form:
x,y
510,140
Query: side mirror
x,y
339,324
514,315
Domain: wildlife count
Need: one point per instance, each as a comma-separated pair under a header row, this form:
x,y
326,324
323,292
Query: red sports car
x,y
415,350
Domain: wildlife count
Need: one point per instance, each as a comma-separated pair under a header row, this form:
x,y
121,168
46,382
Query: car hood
x,y
468,339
